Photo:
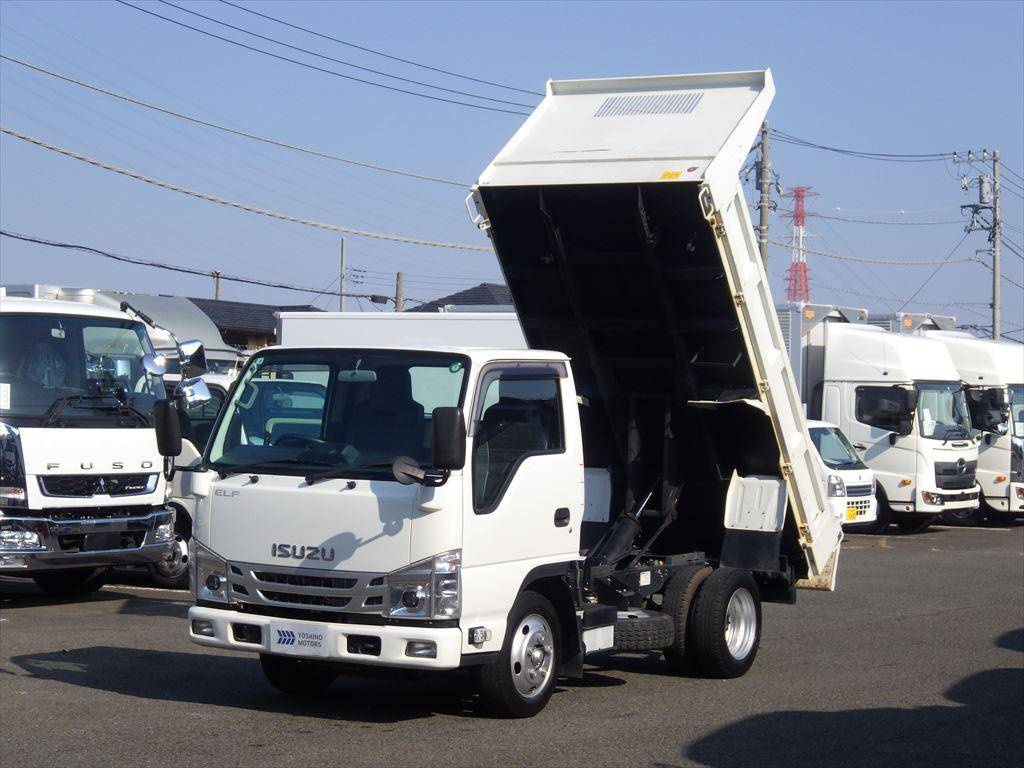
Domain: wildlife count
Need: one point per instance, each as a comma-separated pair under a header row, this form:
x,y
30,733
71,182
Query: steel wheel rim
x,y
740,624
532,657
176,563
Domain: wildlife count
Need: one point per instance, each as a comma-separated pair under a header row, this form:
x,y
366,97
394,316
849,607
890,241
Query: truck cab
x,y
82,485
900,401
991,373
849,481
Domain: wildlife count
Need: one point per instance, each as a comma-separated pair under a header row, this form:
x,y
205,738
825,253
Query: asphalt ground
x,y
916,660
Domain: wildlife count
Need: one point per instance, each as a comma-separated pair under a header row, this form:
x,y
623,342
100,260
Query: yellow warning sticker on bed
x,y
671,174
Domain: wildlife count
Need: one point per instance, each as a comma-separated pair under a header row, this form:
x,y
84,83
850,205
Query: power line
x,y
226,129
314,67
308,52
844,257
935,271
379,53
240,206
878,221
927,157
178,268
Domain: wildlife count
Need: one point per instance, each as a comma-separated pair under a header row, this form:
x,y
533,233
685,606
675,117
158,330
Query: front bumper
x,y
851,510
64,543
334,645
1010,503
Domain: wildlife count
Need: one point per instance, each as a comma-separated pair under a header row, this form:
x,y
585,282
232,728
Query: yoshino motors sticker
x,y
298,639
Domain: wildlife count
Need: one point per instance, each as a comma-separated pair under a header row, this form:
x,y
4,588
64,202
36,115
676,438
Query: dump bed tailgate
x,y
619,221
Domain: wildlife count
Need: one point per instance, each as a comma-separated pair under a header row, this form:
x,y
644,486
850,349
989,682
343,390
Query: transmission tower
x,y
798,288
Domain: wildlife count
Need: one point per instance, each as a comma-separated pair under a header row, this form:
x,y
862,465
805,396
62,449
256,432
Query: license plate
x,y
298,639
851,513
96,542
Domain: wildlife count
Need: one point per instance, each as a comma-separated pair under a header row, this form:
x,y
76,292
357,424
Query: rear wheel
x,y
521,680
74,582
726,623
296,677
678,600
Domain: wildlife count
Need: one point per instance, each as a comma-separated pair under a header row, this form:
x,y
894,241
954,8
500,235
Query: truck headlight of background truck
x,y
836,486
429,589
209,574
12,471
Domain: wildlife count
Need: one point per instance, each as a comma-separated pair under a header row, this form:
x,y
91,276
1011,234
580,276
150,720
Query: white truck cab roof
x,y
12,304
983,362
477,355
874,354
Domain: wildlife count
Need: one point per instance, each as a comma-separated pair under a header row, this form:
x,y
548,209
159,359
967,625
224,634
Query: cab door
x,y
524,467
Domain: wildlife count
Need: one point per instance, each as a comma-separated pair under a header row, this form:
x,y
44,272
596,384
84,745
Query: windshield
x,y
86,366
942,411
835,449
1017,409
336,409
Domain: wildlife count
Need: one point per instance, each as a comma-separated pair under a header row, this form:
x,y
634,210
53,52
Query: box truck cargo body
x,y
513,510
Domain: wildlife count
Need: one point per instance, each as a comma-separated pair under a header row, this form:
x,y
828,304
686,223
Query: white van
x,y
850,483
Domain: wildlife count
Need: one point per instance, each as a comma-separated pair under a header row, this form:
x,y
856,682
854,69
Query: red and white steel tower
x,y
798,289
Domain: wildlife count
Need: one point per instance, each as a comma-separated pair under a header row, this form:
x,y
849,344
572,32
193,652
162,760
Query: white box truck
x,y
644,486
82,484
401,329
992,373
899,399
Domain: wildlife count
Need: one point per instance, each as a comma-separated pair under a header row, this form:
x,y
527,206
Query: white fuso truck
x,y
992,373
645,486
899,400
82,483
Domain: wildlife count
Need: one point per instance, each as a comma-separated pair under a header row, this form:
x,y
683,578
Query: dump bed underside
x,y
627,280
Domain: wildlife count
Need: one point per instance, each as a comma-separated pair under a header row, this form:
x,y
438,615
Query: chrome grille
x,y
87,486
302,588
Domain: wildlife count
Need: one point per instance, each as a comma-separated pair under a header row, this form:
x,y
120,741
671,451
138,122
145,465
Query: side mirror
x,y
168,428
193,392
906,427
154,365
911,400
407,470
193,358
449,443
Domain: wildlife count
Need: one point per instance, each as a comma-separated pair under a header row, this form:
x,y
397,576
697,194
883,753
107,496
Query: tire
x,y
677,603
296,677
532,644
76,582
644,631
726,623
914,523
962,516
883,517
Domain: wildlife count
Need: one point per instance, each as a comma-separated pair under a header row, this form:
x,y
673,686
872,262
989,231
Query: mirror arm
x,y
436,478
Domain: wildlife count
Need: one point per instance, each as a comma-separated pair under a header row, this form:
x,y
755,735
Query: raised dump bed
x,y
620,224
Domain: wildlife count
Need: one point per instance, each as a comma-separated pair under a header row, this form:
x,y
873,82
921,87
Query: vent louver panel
x,y
650,104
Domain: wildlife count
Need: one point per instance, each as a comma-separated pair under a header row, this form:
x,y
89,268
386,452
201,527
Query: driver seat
x,y
389,421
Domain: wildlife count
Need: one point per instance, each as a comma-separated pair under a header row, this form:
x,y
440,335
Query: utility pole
x,y
399,294
996,236
988,201
764,180
341,280
216,284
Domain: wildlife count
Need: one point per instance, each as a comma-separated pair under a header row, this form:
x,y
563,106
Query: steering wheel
x,y
293,440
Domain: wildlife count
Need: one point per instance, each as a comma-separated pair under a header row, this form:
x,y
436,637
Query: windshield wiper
x,y
89,401
954,429
343,471
240,468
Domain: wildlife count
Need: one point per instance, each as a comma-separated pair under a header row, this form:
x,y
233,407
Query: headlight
x,y
164,532
12,469
11,540
836,486
931,498
208,574
429,589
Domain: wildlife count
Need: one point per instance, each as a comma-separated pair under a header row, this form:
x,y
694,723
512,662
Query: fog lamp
x,y
203,627
421,649
19,540
12,561
164,532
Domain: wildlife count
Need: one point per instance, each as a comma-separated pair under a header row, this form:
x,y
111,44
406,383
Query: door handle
x,y
562,517
860,446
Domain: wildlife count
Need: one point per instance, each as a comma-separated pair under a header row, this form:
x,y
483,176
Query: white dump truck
x,y
82,484
899,399
992,373
644,485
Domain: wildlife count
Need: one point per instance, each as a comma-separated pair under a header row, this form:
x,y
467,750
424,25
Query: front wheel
x,y
296,677
521,680
726,623
75,582
909,523
962,516
172,571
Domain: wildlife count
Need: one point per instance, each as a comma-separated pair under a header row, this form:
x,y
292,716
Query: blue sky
x,y
884,77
